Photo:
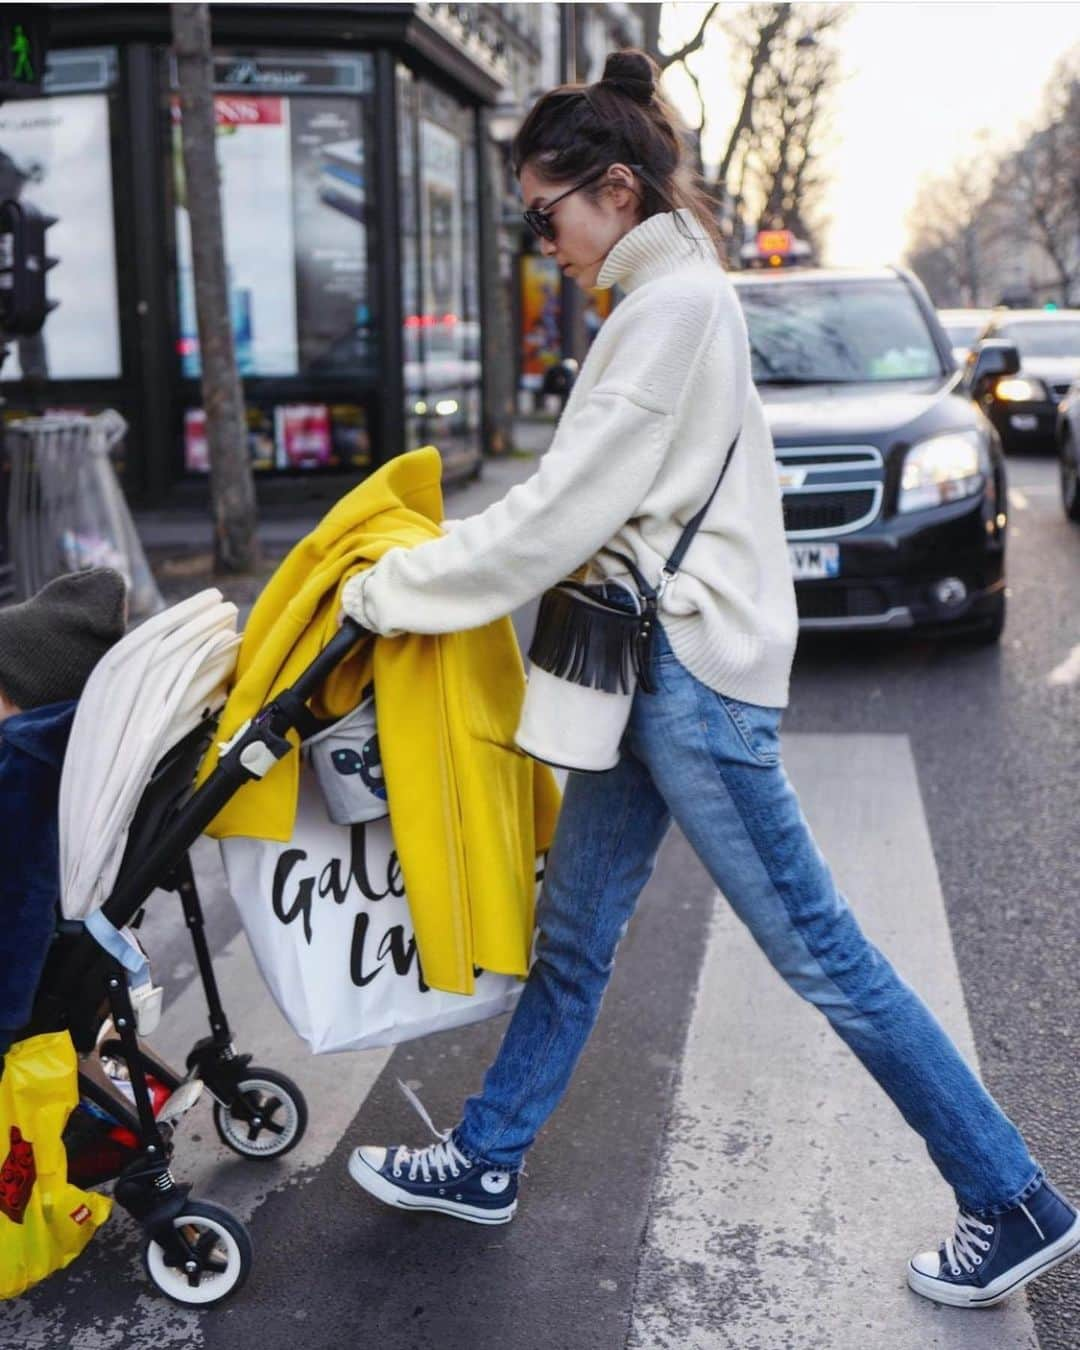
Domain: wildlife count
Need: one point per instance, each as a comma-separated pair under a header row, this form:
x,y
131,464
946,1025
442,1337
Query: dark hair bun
x,y
631,73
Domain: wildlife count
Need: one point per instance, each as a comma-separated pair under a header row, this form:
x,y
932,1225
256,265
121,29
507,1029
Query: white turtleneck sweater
x,y
640,444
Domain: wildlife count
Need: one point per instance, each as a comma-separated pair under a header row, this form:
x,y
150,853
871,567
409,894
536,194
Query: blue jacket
x,y
32,746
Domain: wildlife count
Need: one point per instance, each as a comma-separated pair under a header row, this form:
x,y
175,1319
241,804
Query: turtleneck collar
x,y
658,245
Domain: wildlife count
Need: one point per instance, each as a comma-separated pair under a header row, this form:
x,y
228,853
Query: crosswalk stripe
x,y
791,1192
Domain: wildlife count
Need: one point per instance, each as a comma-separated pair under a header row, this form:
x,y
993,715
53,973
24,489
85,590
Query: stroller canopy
x,y
153,687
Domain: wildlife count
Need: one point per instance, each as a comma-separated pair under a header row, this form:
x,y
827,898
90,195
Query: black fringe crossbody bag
x,y
587,657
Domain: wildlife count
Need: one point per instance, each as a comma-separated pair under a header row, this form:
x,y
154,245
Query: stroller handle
x,y
268,728
335,651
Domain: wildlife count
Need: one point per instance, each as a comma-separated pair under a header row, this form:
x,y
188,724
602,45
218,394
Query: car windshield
x,y
962,334
1055,337
836,332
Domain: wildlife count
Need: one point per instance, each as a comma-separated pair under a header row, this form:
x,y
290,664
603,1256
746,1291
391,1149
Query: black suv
x,y
893,479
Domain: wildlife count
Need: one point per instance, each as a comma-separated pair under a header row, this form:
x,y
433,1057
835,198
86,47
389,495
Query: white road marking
x,y
1068,672
791,1192
1017,500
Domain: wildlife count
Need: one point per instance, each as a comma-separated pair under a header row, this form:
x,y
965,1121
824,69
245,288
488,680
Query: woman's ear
x,y
622,185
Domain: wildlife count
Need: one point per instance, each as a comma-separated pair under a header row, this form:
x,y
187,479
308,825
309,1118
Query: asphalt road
x,y
992,737
996,740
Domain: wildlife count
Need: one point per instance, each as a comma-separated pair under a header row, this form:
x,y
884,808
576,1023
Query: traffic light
x,y
24,38
24,304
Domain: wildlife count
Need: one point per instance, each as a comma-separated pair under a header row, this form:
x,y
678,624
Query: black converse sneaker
x,y
439,1177
988,1259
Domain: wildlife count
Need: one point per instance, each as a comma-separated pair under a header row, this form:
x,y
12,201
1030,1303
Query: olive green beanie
x,y
50,643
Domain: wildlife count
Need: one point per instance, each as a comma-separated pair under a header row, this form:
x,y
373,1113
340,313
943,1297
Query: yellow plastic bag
x,y
44,1221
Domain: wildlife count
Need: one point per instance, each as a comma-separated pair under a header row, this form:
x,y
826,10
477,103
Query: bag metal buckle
x,y
666,578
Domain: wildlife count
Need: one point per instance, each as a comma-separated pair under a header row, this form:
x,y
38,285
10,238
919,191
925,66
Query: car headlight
x,y
943,469
1021,389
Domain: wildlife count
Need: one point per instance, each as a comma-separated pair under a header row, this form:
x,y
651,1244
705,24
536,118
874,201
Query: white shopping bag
x,y
329,924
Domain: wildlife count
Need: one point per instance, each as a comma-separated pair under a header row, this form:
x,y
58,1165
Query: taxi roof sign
x,y
775,247
775,241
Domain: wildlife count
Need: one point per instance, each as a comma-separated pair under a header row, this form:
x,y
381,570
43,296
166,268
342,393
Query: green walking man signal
x,y
24,40
23,68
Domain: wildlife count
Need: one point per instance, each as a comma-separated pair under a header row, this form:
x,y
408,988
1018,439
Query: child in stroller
x,y
48,647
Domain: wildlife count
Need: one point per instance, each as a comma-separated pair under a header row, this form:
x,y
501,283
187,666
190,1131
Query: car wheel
x,y
1070,478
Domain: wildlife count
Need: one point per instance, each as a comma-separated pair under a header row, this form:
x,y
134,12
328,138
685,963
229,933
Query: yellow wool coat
x,y
469,811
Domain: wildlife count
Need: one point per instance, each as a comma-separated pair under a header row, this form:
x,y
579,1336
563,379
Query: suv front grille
x,y
829,490
826,512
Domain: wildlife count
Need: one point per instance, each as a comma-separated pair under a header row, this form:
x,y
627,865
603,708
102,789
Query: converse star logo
x,y
495,1182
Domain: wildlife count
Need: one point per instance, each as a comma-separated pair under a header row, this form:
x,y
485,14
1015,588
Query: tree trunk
x,y
767,35
232,487
499,339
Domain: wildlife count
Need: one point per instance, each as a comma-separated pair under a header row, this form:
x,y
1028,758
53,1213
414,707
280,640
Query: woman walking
x,y
664,391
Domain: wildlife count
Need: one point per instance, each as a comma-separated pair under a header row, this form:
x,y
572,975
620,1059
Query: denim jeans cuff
x,y
476,1157
1025,1192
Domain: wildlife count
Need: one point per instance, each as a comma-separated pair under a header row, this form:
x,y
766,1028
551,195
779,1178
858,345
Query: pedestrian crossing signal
x,y
24,40
24,302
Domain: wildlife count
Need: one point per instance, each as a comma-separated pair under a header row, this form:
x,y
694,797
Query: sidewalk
x,y
178,541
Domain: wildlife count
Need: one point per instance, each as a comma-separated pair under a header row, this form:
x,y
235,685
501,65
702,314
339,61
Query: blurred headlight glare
x,y
943,469
1016,390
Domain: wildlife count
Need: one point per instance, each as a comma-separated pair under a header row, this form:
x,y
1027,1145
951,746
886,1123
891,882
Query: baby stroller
x,y
195,1252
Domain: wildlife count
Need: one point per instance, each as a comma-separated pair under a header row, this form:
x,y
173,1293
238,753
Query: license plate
x,y
814,560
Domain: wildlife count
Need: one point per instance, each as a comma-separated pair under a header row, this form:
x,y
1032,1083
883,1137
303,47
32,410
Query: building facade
x,y
380,284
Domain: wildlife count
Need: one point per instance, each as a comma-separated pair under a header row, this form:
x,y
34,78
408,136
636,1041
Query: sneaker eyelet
x,y
977,1260
956,1270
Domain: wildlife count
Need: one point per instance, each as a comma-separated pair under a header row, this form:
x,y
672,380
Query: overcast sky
x,y
922,80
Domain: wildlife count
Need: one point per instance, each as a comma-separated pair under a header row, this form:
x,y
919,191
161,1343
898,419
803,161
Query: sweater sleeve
x,y
599,468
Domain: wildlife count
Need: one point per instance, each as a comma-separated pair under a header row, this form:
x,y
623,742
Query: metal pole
x,y
572,307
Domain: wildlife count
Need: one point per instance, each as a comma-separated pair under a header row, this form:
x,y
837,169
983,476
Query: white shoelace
x,y
441,1157
960,1249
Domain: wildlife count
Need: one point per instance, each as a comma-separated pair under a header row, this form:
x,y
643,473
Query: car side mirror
x,y
991,359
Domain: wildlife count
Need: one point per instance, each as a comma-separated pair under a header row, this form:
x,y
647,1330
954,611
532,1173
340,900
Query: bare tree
x,y
947,235
802,72
232,487
786,70
755,32
979,233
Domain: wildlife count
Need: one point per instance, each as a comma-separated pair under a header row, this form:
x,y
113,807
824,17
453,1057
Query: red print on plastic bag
x,y
17,1177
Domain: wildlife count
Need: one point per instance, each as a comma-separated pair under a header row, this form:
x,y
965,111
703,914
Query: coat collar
x,y
41,732
658,245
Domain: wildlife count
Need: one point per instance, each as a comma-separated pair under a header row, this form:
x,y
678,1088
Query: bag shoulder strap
x,y
679,552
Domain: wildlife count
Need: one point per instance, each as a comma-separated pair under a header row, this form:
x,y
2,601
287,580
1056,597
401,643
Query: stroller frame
x,y
81,977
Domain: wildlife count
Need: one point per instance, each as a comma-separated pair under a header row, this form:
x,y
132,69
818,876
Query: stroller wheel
x,y
220,1256
266,1118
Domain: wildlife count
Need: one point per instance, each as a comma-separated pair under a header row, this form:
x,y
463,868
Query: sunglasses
x,y
539,219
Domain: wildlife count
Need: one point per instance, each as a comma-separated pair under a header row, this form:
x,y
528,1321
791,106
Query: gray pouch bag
x,y
345,758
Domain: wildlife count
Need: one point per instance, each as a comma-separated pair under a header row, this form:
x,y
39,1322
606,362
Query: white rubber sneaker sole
x,y
997,1290
377,1185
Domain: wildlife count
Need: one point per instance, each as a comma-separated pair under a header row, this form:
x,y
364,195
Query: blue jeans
x,y
712,764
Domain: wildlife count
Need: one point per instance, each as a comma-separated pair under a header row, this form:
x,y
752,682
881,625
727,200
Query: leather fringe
x,y
580,638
